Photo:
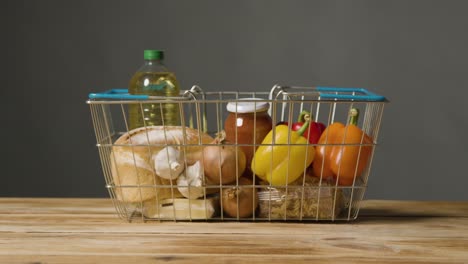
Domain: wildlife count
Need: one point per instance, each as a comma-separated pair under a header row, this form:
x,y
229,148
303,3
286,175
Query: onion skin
x,y
242,199
220,163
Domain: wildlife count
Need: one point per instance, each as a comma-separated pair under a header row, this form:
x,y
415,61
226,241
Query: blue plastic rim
x,y
327,93
336,93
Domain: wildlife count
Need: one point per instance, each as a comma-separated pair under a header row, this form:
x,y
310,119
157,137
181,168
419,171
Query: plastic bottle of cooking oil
x,y
153,78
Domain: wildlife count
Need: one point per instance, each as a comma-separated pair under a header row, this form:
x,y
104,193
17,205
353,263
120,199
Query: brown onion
x,y
223,163
240,201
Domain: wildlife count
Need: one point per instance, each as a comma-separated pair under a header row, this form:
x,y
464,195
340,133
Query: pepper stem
x,y
302,115
305,126
353,116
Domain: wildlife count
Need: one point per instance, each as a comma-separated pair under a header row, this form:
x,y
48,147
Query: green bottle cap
x,y
154,54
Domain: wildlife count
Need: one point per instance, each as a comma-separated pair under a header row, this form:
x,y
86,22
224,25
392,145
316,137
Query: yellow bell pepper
x,y
285,158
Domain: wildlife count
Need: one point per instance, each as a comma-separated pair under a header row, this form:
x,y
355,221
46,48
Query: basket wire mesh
x,y
309,198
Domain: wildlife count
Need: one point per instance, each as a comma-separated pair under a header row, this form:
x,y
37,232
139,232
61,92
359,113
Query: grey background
x,y
414,52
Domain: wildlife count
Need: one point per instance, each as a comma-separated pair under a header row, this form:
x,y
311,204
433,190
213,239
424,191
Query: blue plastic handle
x,y
325,93
360,94
119,94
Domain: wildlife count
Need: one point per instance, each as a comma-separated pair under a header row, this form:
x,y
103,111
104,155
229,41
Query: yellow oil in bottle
x,y
155,80
155,113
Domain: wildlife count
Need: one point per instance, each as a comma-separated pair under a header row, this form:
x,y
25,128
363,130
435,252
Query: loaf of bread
x,y
181,208
132,166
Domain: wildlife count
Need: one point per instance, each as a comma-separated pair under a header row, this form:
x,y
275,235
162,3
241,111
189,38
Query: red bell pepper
x,y
313,132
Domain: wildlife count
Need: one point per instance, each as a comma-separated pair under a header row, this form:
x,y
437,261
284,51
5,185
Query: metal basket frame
x,y
205,112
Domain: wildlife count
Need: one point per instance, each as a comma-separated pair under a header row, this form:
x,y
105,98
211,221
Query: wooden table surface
x,y
53,230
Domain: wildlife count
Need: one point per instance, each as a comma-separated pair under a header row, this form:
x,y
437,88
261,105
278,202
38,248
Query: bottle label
x,y
159,86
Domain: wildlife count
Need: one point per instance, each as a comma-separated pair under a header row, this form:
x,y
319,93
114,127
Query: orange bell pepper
x,y
343,151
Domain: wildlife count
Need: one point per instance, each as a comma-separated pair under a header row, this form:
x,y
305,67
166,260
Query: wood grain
x,y
53,230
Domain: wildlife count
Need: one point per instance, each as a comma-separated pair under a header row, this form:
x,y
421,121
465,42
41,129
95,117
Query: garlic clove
x,y
168,163
190,182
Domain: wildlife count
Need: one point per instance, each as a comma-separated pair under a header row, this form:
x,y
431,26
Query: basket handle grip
x,y
121,94
351,94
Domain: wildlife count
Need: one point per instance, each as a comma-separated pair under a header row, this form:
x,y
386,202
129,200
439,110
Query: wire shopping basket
x,y
290,154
